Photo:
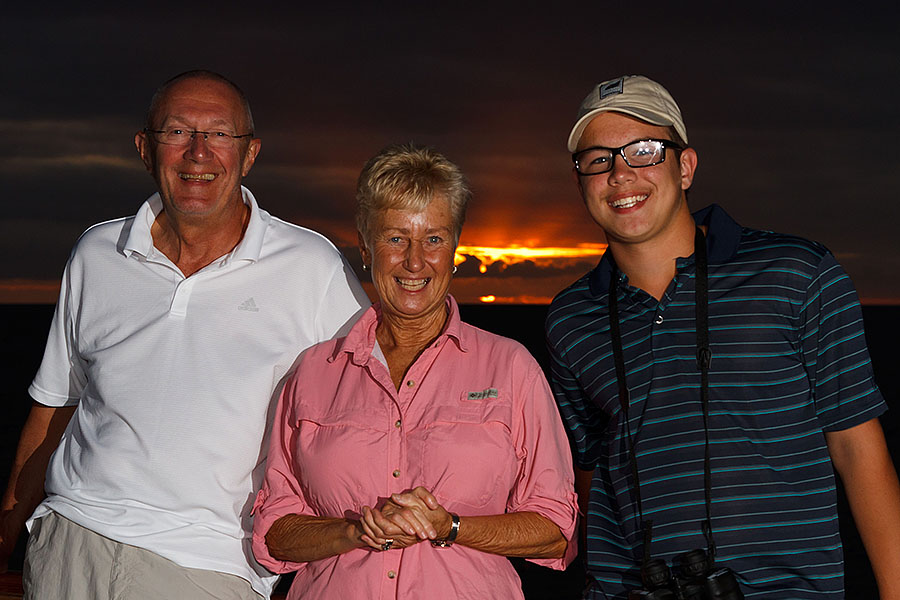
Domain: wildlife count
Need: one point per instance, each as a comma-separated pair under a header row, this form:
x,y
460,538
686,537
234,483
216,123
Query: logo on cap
x,y
616,86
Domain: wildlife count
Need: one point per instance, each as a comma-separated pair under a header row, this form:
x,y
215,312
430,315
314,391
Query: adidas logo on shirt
x,y
248,304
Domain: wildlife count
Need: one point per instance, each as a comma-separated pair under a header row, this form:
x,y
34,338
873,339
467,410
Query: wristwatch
x,y
448,541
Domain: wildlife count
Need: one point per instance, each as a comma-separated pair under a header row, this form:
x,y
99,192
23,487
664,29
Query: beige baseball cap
x,y
633,95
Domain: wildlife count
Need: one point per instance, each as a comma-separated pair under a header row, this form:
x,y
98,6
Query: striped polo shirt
x,y
789,362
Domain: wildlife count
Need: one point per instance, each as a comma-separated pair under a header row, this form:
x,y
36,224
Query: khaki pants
x,y
65,561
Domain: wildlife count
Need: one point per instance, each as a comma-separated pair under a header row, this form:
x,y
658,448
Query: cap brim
x,y
650,117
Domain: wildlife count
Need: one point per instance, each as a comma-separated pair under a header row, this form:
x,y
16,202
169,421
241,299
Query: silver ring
x,y
387,544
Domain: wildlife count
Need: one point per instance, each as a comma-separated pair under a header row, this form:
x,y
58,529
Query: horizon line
x,y
26,292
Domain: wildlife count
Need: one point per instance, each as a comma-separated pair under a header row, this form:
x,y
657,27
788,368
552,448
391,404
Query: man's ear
x,y
688,163
250,156
142,143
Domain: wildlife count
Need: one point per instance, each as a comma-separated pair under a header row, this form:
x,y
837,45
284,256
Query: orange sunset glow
x,y
488,255
494,278
493,282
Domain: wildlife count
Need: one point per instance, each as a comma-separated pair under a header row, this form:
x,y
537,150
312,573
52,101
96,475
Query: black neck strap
x,y
704,357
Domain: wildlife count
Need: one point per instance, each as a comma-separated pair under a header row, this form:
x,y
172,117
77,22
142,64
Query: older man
x,y
173,330
710,376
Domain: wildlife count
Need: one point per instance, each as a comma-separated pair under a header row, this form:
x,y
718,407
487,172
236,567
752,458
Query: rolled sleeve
x,y
280,494
545,483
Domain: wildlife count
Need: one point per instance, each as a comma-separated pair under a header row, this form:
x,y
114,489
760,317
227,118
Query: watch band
x,y
454,529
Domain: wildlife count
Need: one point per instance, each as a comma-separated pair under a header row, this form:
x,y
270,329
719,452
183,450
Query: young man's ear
x,y
688,163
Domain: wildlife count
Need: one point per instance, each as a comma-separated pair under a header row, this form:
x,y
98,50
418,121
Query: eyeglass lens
x,y
183,137
644,153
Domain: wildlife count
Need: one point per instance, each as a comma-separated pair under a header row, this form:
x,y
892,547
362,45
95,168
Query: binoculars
x,y
694,577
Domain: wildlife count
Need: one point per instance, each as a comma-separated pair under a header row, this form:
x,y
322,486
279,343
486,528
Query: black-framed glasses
x,y
179,136
636,154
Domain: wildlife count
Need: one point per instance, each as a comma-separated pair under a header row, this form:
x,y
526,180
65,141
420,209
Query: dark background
x,y
791,106
24,332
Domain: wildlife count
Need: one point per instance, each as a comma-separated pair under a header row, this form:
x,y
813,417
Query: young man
x,y
173,331
736,461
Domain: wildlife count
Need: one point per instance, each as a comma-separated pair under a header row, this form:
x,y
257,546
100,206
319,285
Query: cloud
x,y
42,164
29,291
101,135
571,267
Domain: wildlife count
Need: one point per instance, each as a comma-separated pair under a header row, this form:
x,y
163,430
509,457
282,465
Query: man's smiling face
x,y
196,180
634,205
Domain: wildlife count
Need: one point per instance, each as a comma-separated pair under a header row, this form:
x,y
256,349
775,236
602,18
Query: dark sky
x,y
792,108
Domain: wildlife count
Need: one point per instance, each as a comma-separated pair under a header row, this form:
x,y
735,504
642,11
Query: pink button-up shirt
x,y
474,422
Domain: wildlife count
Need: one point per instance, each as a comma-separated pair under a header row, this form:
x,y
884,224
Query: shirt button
x,y
659,319
391,574
410,383
398,423
396,473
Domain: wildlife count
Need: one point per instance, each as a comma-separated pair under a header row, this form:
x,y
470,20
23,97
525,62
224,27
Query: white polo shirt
x,y
175,380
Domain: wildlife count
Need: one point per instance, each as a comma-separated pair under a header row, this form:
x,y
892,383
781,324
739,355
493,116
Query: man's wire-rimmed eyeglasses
x,y
179,136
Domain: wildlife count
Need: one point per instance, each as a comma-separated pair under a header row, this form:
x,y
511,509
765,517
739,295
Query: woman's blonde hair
x,y
409,177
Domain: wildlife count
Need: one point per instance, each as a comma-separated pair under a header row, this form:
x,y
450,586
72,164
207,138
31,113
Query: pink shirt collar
x,y
361,339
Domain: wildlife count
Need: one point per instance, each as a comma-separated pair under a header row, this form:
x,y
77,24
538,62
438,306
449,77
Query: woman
x,y
410,457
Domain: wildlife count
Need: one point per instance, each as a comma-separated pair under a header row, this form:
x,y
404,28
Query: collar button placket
x,y
181,297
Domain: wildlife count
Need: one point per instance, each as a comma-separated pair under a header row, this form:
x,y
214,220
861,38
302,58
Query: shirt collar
x,y
723,235
361,339
140,239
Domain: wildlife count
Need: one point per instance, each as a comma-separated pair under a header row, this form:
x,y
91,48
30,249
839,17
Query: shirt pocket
x,y
336,452
468,457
